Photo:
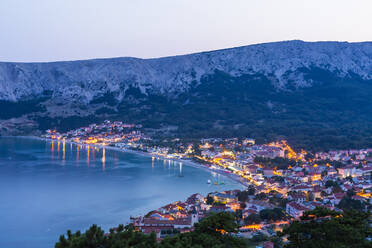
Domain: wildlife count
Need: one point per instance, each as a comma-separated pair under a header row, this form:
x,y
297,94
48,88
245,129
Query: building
x,y
295,209
347,171
224,198
268,172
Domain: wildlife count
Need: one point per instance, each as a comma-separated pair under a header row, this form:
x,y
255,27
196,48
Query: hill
x,y
318,95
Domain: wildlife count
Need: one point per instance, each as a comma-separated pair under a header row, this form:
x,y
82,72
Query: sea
x,y
49,187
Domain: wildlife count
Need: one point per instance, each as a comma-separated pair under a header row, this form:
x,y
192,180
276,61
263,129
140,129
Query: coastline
x,y
147,154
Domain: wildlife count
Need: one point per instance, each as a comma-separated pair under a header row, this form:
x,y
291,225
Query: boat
x,y
209,181
215,183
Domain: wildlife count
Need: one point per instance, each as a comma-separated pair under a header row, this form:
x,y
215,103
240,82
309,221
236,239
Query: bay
x,y
49,187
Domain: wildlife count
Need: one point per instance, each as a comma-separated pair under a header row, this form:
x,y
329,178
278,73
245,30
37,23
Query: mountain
x,y
290,89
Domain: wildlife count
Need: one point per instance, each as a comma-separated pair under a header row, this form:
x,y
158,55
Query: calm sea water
x,y
47,188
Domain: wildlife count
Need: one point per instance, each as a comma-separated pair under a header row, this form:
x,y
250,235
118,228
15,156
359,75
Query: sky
x,y
55,30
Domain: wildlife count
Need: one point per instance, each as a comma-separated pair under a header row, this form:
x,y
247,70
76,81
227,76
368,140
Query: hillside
x,y
316,94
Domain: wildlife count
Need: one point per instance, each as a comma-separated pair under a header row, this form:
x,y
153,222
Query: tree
x,y
213,231
337,189
209,200
272,214
94,237
347,203
324,228
278,179
260,196
310,196
252,219
280,163
251,190
331,183
349,178
196,149
243,196
350,193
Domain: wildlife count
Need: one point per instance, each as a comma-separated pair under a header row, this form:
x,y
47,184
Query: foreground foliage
x,y
210,232
323,228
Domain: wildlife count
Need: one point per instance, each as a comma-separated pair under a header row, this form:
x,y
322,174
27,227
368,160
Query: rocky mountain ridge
x,y
281,62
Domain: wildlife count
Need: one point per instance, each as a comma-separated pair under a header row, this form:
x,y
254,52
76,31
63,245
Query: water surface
x,y
49,187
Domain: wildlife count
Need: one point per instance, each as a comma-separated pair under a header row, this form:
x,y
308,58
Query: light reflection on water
x,y
48,187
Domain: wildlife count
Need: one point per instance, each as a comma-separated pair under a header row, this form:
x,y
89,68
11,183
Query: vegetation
x,y
244,195
334,113
280,163
324,228
252,219
272,214
17,109
347,203
331,183
213,231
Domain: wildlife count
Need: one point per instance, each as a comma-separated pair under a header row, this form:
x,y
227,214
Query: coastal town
x,y
280,182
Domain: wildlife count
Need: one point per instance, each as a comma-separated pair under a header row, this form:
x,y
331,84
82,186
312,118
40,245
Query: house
x,y
331,171
347,171
314,176
247,212
268,172
366,171
148,225
259,205
298,197
317,191
295,209
251,169
338,197
224,198
218,209
302,188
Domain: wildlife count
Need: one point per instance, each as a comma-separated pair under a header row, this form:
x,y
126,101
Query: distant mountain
x,y
290,89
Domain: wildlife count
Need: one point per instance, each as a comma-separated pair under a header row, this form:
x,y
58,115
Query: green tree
x,y
251,190
196,149
331,183
243,196
260,196
347,203
213,231
252,219
209,200
272,214
324,228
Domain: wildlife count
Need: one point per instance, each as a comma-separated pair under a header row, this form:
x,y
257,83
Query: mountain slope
x,y
265,91
87,79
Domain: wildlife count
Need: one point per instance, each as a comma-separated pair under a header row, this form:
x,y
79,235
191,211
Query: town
x,y
281,183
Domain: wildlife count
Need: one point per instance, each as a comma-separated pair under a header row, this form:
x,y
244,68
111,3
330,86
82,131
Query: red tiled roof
x,y
297,206
339,195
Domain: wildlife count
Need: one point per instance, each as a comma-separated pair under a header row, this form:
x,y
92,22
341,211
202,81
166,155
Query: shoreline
x,y
187,162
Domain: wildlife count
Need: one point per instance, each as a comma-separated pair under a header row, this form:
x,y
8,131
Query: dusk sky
x,y
50,30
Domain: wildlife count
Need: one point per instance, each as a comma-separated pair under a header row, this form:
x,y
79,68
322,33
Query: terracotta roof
x,y
297,206
339,195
